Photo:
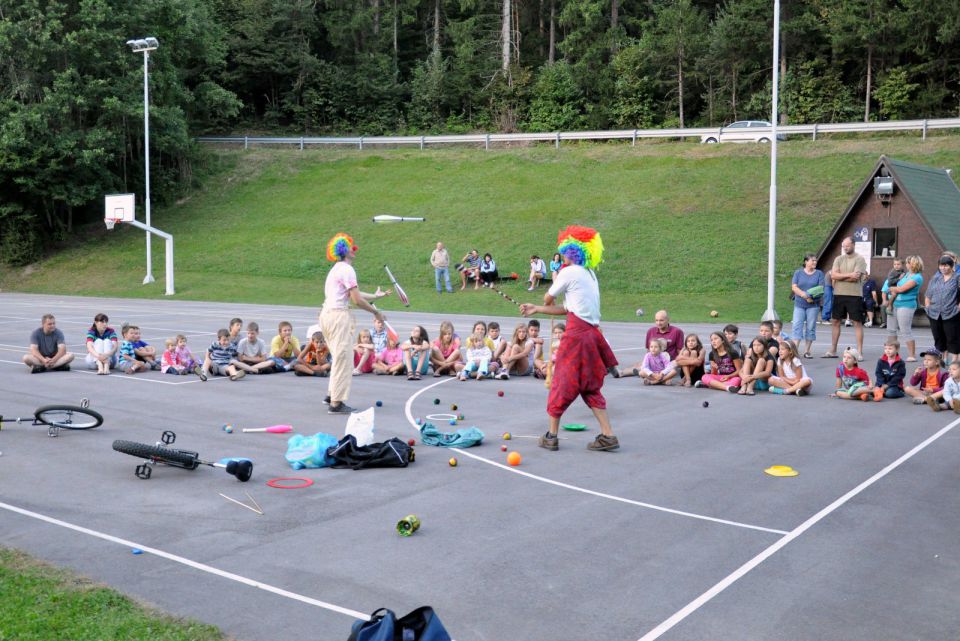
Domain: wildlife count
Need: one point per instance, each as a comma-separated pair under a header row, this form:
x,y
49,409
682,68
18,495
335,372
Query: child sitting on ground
x,y
314,359
725,365
556,337
772,342
127,357
951,390
690,360
656,368
416,353
222,357
791,375
927,381
187,359
252,352
445,355
516,357
170,363
142,350
284,348
731,331
235,326
390,360
777,327
853,382
493,333
890,372
757,368
536,345
478,357
364,353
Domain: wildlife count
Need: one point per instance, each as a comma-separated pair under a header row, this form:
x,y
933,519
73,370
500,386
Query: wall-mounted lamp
x,y
883,189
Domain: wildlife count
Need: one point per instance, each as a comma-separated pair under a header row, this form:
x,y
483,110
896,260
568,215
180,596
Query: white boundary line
x,y
189,563
118,375
576,488
731,578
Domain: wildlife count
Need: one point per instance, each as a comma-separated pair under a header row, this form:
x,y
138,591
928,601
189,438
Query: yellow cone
x,y
781,470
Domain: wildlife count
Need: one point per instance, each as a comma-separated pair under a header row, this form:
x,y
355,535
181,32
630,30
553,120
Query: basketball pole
x,y
771,313
168,241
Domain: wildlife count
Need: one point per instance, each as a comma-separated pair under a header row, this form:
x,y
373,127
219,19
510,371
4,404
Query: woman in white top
x,y
537,272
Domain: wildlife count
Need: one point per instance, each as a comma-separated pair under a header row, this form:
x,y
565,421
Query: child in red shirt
x,y
853,382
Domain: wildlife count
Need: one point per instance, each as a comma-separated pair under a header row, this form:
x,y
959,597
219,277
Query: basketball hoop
x,y
109,222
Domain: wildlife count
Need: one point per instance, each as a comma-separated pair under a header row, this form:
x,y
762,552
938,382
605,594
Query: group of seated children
x,y
771,362
484,353
929,384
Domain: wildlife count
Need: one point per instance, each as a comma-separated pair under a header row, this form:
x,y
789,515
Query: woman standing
x,y
940,303
807,286
900,321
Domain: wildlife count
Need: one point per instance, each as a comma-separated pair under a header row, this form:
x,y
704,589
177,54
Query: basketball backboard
x,y
118,208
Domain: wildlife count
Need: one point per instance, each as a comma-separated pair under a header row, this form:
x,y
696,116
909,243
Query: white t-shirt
x,y
340,280
581,292
254,349
792,369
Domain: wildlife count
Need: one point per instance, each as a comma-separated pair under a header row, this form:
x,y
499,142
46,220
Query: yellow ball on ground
x,y
506,436
453,462
714,314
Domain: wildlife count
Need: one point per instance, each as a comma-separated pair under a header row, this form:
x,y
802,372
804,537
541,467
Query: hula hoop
x,y
277,482
442,417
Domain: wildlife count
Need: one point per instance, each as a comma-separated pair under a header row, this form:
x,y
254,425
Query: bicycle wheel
x,y
69,417
177,458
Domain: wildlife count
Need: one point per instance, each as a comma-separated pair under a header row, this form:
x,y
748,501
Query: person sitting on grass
x,y
757,368
690,360
477,359
927,381
314,359
445,356
185,356
284,348
48,348
221,358
656,367
725,366
538,271
890,372
951,390
252,354
488,270
416,353
390,360
853,382
791,375
364,353
469,268
126,358
516,357
102,345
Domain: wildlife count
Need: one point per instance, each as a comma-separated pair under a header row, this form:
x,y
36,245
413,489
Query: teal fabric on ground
x,y
463,437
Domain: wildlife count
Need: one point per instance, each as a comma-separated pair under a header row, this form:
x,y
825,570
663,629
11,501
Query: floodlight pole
x,y
146,45
771,313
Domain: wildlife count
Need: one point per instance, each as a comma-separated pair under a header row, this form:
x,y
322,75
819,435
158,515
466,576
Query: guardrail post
x,y
421,143
633,143
486,144
301,143
814,131
360,142
246,144
558,140
924,129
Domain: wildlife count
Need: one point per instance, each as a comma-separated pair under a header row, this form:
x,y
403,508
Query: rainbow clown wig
x,y
582,245
339,246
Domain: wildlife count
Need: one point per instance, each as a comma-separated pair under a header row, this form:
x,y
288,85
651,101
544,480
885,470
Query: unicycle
x,y
172,457
57,417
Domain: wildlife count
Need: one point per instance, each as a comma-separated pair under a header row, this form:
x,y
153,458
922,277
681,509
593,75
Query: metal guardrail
x,y
556,137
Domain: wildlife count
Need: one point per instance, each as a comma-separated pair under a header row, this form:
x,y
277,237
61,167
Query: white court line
x,y
577,488
694,605
203,567
132,377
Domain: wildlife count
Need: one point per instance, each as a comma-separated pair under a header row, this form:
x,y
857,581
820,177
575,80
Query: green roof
x,y
934,195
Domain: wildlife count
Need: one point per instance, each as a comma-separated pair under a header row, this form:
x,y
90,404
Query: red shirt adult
x,y
672,334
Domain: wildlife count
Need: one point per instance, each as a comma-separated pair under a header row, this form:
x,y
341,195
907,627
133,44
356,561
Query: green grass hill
x,y
684,225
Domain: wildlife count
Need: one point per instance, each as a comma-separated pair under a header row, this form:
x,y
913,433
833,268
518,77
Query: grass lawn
x,y
684,225
40,603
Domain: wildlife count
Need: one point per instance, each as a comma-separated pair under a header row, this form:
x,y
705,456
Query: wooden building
x,y
901,209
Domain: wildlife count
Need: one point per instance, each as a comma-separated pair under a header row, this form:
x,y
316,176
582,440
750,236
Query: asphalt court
x,y
678,535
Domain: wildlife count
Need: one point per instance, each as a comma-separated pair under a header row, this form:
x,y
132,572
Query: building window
x,y
885,242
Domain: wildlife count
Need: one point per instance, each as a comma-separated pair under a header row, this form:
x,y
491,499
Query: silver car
x,y
742,131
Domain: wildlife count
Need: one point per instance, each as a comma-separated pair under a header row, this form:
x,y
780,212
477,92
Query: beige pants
x,y
339,328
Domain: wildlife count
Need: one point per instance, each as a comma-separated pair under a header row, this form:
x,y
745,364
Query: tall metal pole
x,y
771,313
146,156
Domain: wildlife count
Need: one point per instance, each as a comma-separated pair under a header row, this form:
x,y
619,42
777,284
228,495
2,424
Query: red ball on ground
x,y
411,442
503,448
500,393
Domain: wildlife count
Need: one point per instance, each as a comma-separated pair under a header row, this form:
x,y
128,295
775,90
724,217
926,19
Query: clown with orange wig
x,y
339,326
584,356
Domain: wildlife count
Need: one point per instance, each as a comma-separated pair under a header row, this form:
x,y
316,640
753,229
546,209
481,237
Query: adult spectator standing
x,y
670,333
807,286
339,325
848,272
488,270
940,302
471,269
906,292
440,259
48,348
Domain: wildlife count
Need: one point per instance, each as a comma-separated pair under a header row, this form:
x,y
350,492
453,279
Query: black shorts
x,y
844,306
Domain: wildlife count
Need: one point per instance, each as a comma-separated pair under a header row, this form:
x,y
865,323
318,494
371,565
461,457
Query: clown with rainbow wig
x,y
338,323
584,356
